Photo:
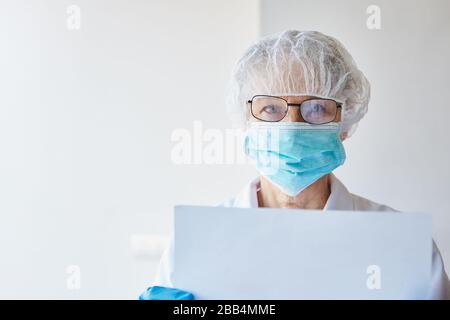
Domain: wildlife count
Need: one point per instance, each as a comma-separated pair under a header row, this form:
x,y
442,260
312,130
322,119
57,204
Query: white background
x,y
86,118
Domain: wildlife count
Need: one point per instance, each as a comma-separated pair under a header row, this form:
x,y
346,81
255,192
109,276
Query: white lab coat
x,y
340,199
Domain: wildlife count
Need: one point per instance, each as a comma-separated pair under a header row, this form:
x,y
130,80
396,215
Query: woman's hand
x,y
165,293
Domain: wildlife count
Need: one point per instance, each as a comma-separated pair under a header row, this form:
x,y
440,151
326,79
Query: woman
x,y
300,94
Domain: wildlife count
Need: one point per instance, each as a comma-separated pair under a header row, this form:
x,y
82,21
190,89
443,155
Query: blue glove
x,y
164,293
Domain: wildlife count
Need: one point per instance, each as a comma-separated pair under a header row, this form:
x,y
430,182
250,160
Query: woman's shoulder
x,y
363,204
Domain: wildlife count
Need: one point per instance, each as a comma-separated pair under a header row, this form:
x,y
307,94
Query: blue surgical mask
x,y
293,155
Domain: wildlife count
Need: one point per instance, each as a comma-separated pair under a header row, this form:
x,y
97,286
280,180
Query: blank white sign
x,y
233,253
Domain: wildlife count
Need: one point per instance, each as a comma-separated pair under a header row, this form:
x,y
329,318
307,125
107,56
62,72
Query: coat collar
x,y
339,199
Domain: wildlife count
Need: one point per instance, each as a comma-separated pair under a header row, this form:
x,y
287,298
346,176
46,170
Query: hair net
x,y
296,63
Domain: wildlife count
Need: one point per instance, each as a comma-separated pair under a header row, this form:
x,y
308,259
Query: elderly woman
x,y
300,95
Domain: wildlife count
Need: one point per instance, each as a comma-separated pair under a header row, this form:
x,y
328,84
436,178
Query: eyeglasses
x,y
313,111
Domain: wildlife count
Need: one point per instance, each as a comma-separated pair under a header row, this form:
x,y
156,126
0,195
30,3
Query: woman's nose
x,y
293,115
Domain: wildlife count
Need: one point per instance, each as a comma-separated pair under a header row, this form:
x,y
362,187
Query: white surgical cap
x,y
296,63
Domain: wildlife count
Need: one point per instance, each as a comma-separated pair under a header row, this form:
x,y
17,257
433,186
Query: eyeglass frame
x,y
299,105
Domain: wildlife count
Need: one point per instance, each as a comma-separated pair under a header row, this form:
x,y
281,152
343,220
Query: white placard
x,y
232,253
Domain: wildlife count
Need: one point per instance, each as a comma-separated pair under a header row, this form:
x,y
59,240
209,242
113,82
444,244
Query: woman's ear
x,y
343,136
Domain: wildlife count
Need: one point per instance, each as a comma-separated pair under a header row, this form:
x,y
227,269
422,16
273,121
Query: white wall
x,y
400,154
86,118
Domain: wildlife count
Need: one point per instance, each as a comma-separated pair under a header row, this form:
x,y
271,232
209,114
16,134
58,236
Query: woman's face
x,y
293,114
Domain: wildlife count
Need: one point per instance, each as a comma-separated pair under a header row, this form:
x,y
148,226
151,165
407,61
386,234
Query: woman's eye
x,y
270,109
318,108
